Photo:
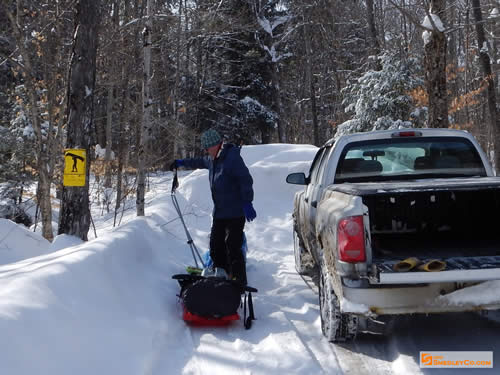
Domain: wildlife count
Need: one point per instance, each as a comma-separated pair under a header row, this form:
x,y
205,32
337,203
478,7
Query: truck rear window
x,y
429,157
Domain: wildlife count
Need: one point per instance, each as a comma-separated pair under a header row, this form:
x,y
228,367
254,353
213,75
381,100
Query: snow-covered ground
x,y
109,306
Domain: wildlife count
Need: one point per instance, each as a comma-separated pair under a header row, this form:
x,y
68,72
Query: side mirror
x,y
296,178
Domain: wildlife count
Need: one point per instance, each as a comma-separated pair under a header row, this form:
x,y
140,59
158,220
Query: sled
x,y
214,301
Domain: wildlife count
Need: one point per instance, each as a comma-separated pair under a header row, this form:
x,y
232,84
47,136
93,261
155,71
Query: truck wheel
x,y
304,263
336,326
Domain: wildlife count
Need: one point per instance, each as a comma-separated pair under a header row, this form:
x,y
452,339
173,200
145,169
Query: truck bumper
x,y
454,275
407,299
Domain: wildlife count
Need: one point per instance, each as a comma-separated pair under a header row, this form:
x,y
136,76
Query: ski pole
x,y
194,249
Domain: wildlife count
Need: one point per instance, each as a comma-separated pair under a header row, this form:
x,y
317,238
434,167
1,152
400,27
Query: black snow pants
x,y
226,238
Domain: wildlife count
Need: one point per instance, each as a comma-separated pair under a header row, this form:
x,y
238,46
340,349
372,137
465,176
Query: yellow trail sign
x,y
75,167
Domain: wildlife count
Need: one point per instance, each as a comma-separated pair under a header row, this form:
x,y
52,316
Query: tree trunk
x,y
179,145
275,77
145,128
42,150
372,31
312,89
435,70
109,137
74,218
108,163
482,44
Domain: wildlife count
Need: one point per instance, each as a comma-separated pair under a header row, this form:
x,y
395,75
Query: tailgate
x,y
458,269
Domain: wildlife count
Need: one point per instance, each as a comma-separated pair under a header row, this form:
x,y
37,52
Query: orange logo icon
x,y
426,359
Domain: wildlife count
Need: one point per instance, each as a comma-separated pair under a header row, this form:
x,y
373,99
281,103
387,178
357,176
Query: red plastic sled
x,y
214,301
197,320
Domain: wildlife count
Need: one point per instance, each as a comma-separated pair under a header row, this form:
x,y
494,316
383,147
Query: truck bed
x,y
449,219
462,184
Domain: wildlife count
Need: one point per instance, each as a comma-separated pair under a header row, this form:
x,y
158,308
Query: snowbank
x,y
18,243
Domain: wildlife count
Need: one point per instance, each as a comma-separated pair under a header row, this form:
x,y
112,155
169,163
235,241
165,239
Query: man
x,y
232,194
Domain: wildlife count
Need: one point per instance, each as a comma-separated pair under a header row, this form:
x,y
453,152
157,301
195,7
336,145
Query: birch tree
x,y
145,128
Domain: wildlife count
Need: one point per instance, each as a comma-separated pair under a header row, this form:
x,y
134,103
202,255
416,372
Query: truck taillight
x,y
351,239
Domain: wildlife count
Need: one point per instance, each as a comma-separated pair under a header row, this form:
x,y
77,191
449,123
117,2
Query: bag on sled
x,y
214,301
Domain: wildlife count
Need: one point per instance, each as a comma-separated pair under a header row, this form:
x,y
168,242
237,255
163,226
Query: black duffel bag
x,y
215,298
212,297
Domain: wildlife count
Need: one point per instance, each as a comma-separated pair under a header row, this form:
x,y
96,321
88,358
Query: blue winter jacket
x,y
230,181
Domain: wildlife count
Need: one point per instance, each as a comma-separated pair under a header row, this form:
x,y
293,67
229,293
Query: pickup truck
x,y
391,222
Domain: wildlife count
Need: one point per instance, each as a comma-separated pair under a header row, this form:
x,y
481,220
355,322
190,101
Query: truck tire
x,y
336,326
304,263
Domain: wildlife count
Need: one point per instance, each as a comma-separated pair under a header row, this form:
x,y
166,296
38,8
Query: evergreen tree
x,y
380,99
235,94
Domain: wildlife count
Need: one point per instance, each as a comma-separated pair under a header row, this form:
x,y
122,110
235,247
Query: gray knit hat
x,y
210,138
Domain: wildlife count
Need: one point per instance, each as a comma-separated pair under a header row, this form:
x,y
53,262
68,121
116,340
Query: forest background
x,y
135,83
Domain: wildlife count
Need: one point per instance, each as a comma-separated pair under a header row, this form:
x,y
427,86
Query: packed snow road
x,y
399,353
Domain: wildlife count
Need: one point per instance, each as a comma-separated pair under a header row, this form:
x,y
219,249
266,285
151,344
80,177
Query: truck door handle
x,y
306,199
314,204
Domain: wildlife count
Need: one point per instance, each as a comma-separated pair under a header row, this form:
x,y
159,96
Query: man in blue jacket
x,y
232,194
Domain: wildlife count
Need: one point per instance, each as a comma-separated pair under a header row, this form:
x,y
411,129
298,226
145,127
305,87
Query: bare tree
x,y
312,88
482,44
74,216
145,128
372,31
435,65
46,145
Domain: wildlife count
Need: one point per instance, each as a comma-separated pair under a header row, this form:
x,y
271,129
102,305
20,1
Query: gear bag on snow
x,y
214,300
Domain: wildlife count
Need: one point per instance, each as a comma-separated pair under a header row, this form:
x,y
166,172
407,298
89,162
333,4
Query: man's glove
x,y
249,211
176,164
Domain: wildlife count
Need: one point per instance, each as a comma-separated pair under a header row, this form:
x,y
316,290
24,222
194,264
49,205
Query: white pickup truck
x,y
391,222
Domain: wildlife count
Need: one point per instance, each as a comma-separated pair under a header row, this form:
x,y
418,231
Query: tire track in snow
x,y
366,356
399,352
289,303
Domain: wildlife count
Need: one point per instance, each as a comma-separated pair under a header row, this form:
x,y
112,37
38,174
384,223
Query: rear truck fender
x,y
341,287
309,256
299,220
335,278
333,207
